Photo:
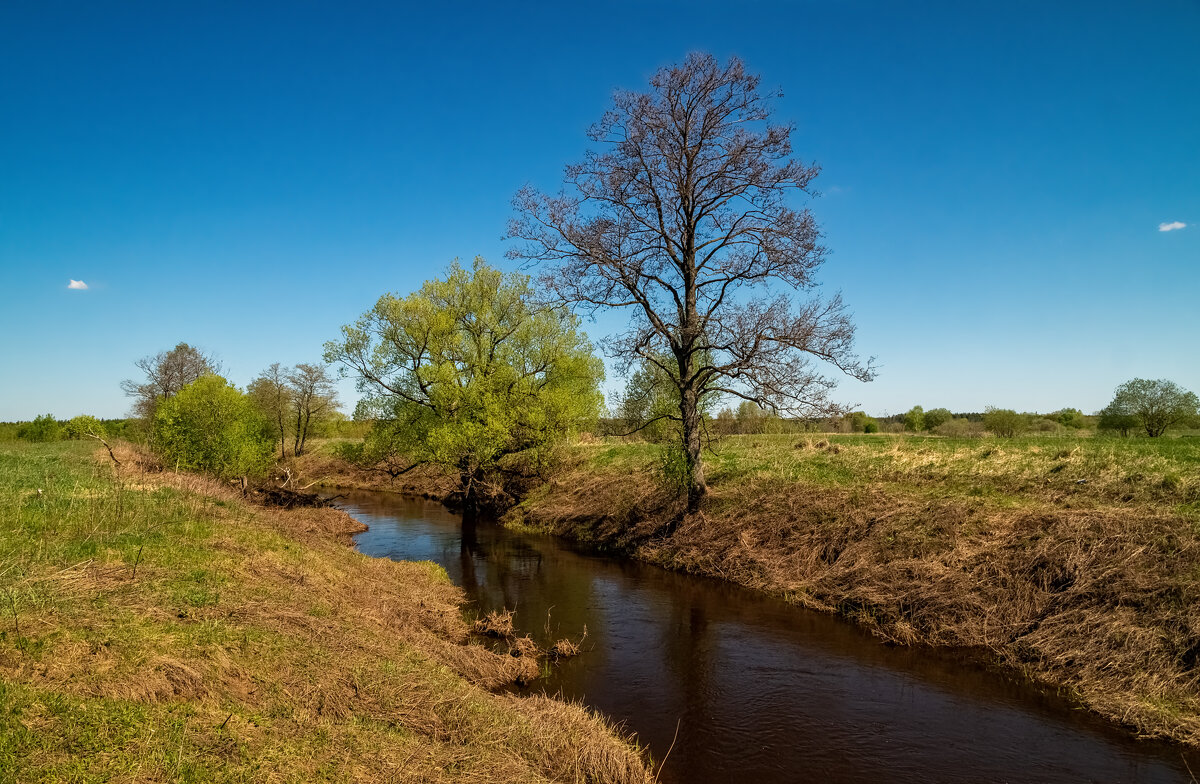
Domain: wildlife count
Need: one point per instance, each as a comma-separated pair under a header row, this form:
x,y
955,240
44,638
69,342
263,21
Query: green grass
x,y
151,632
1070,470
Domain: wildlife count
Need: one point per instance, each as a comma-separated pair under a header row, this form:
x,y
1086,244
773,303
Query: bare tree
x,y
272,392
683,216
167,372
314,398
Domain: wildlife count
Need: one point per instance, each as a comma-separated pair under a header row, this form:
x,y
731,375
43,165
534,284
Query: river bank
x,y
1073,561
156,626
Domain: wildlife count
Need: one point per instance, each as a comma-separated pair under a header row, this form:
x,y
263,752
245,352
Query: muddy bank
x,y
1102,603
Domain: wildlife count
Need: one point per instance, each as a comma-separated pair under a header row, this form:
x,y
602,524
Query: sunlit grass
x,y
1081,470
154,627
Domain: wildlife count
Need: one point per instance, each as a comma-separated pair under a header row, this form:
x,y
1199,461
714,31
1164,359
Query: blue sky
x,y
248,177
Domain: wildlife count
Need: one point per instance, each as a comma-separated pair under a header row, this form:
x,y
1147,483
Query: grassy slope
x,y
157,628
1076,560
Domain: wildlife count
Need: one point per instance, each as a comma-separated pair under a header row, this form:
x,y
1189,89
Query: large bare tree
x,y
686,216
167,372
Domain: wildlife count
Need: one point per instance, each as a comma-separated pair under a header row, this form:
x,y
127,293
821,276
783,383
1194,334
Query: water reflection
x,y
759,689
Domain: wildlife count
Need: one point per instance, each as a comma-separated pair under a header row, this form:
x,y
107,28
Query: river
x,y
744,687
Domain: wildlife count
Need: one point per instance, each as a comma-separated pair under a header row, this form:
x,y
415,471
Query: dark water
x,y
760,691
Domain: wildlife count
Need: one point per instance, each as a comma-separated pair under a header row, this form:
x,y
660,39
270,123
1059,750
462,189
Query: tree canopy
x,y
1004,422
166,373
211,426
297,400
469,374
685,217
914,419
1154,405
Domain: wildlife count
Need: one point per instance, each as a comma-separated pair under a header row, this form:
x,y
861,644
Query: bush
x,y
43,428
936,417
211,426
1039,424
859,422
960,428
673,468
350,451
1070,417
1004,422
83,426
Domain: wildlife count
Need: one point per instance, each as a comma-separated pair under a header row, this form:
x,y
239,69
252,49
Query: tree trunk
x,y
304,433
470,481
296,441
690,414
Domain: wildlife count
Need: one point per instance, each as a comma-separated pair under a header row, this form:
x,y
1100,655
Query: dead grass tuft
x,y
564,649
498,623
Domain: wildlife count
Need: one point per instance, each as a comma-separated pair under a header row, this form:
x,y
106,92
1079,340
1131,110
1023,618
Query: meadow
x,y
155,626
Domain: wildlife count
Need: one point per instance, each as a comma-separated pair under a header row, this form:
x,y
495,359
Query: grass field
x,y
1164,472
155,627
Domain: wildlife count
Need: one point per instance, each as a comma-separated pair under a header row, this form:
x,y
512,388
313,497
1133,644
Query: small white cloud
x,y
1172,226
77,284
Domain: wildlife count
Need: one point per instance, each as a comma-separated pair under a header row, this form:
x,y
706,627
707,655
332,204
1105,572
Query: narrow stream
x,y
755,689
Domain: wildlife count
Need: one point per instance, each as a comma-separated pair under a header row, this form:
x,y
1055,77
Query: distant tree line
x,y
1149,408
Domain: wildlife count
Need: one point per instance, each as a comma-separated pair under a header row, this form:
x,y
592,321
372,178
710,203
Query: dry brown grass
x,y
252,643
1090,592
498,623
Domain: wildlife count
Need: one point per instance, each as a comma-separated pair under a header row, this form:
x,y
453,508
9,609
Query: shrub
x,y
1070,417
1004,422
211,426
673,468
871,427
1039,424
936,417
82,426
960,428
43,428
350,451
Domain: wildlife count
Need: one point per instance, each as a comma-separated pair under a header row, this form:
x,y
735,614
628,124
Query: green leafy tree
x,y
84,426
860,422
1004,422
42,428
211,426
469,374
1113,419
936,417
1155,405
914,419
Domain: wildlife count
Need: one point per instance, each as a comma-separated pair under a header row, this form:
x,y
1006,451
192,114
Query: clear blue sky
x,y
249,177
